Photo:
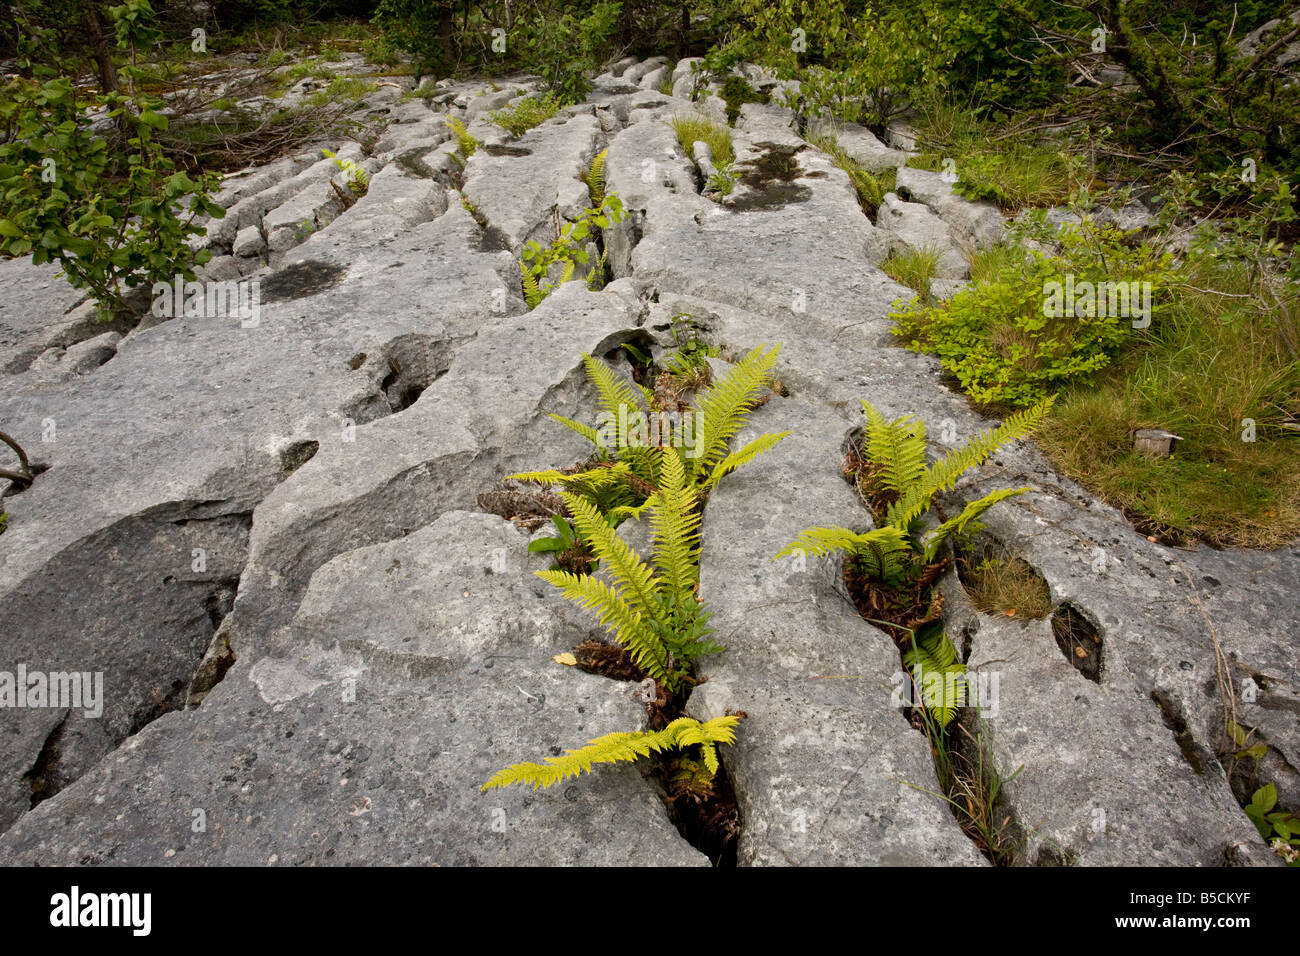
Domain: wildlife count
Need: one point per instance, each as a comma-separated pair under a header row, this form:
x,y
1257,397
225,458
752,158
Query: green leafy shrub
x,y
1281,830
723,181
110,218
529,112
566,47
998,340
861,64
570,249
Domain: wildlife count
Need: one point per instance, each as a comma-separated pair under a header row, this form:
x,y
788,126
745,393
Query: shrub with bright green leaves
x,y
569,249
110,218
564,43
998,340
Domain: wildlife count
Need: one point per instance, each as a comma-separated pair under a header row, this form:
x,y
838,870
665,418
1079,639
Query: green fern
x,y
594,177
358,178
465,141
937,674
653,612
884,552
942,476
624,747
532,292
896,553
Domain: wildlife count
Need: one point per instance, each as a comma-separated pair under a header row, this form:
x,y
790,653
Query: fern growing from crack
x,y
624,747
898,550
465,141
594,178
937,674
650,609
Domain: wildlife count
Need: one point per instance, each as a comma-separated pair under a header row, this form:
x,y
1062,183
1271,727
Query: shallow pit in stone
x,y
496,149
1079,640
999,582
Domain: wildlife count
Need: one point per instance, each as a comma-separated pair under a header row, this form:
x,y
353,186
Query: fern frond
x,y
624,623
612,390
822,541
551,477
532,292
594,177
567,273
944,689
738,458
592,435
586,482
675,525
633,579
943,475
721,408
935,539
622,748
465,141
897,448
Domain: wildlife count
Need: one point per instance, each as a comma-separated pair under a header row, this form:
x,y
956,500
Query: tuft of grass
x,y
692,128
1223,355
341,90
870,187
989,262
971,784
529,112
736,92
1002,584
914,268
1012,171
309,68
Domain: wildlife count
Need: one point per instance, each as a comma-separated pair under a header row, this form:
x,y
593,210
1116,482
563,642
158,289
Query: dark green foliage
x,y
736,91
109,217
996,339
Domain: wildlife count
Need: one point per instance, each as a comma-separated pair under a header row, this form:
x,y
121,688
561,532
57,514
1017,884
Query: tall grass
x,y
870,187
1222,358
692,128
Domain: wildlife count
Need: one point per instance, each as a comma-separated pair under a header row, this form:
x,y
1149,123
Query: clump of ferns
x,y
891,570
654,611
627,466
